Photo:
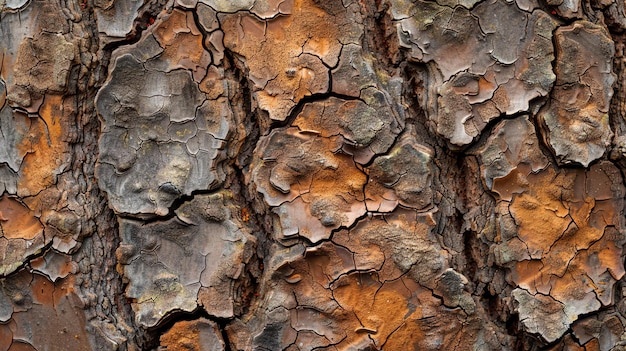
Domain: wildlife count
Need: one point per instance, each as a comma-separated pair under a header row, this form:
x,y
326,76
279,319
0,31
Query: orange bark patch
x,y
398,315
196,335
557,217
45,148
43,290
380,308
568,222
182,43
285,54
540,212
183,336
17,221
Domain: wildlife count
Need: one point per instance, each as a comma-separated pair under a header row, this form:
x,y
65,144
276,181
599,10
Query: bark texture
x,y
312,175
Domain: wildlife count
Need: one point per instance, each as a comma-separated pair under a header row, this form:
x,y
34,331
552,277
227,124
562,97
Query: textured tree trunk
x,y
312,175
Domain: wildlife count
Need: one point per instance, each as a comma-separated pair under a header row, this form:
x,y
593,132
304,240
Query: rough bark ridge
x,y
312,175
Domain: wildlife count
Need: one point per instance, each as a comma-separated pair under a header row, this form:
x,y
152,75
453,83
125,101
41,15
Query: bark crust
x,y
312,175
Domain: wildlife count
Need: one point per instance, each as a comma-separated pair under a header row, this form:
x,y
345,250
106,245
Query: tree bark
x,y
312,175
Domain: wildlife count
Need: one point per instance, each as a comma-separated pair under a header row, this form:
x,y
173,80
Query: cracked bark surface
x,y
312,175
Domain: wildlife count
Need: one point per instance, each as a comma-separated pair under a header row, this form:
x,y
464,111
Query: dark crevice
x,y
179,201
512,328
541,129
222,324
246,289
471,264
493,308
488,129
147,13
205,34
381,36
26,262
541,134
293,114
167,322
254,213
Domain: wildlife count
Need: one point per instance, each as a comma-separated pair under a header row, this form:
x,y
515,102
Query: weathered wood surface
x,y
312,175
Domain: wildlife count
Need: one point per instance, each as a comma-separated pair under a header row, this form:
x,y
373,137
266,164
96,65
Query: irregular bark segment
x,y
43,67
565,250
182,43
22,235
54,265
394,248
404,177
116,17
46,150
42,63
365,127
512,53
188,261
512,143
171,135
605,330
309,179
541,314
358,75
45,314
39,53
576,116
283,75
566,8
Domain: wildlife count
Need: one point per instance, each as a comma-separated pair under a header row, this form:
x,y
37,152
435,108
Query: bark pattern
x,y
312,175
